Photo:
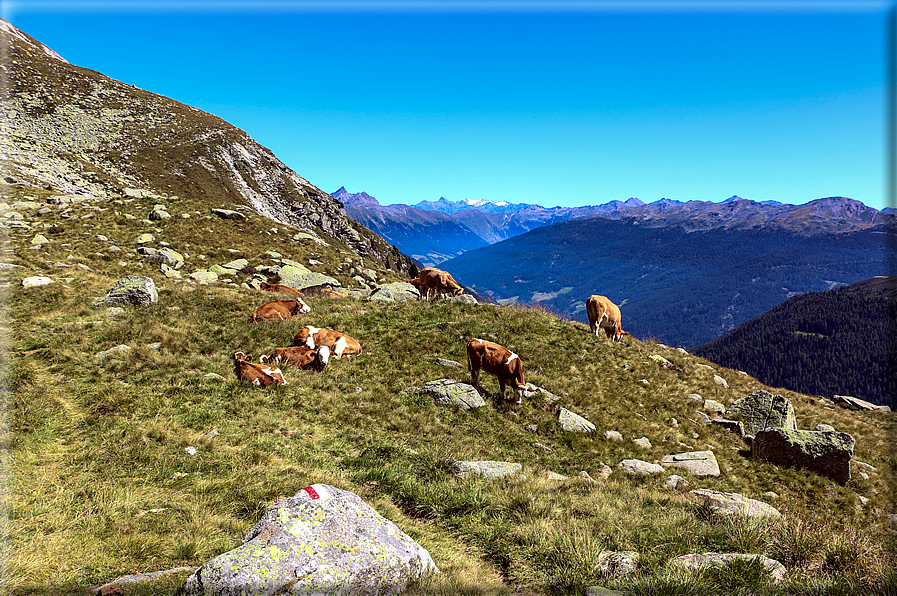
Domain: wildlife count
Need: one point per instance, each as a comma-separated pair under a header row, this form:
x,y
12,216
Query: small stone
x,y
213,377
639,467
642,442
35,281
585,476
612,435
675,481
720,381
190,450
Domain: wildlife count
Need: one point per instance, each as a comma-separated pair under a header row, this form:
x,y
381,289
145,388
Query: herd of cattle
x,y
312,347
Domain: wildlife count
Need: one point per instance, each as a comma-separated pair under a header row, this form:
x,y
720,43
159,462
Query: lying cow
x,y
315,337
300,357
499,361
280,310
280,288
257,374
604,314
437,282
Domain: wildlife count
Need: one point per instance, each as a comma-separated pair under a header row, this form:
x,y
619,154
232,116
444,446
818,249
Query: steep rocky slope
x,y
75,131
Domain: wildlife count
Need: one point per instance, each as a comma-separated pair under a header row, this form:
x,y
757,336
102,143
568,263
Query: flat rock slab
x,y
707,560
696,463
639,467
399,291
228,214
35,281
858,404
825,452
323,540
449,392
733,503
301,277
571,422
489,469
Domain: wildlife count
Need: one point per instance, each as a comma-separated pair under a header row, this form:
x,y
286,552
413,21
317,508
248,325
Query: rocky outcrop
x,y
448,392
130,290
79,132
696,463
761,410
825,452
322,540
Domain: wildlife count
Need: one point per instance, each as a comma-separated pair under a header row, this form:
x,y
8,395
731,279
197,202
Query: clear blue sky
x,y
564,103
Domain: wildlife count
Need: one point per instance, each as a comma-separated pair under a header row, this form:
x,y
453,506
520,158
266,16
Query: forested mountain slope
x,y
840,342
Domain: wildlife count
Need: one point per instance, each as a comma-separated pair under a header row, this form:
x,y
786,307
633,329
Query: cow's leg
x,y
501,388
475,377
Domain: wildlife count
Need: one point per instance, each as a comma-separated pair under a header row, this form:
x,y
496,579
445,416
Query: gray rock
x,y
638,467
144,239
35,281
228,214
488,469
661,361
139,577
825,452
554,475
115,311
463,298
204,277
39,239
858,404
571,422
760,410
703,418
236,265
300,277
213,377
585,476
824,427
696,463
618,563
710,559
714,406
449,392
119,349
720,381
399,291
162,255
130,290
612,435
601,591
733,503
159,214
323,540
675,481
605,471
642,442
734,426
448,363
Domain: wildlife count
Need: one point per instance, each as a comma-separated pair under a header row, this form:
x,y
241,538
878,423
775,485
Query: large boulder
x,y
399,291
825,452
162,255
733,503
854,403
299,276
760,410
131,289
323,540
697,463
574,423
448,392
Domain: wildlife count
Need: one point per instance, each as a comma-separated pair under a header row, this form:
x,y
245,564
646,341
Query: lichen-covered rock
x,y
760,410
448,392
696,463
720,381
35,281
463,298
399,291
167,256
488,469
714,406
705,560
575,423
618,563
323,540
825,452
236,265
298,276
131,289
228,214
144,239
854,403
733,503
661,361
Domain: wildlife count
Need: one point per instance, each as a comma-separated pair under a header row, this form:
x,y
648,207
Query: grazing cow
x,y
324,290
300,357
257,374
280,288
499,361
280,310
439,282
339,343
604,314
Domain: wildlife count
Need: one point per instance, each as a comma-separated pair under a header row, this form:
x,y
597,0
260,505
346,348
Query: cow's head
x,y
458,291
241,357
618,336
323,356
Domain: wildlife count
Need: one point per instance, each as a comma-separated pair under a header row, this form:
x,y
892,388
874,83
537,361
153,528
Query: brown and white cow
x,y
339,343
300,356
257,374
280,310
437,282
499,361
604,314
280,288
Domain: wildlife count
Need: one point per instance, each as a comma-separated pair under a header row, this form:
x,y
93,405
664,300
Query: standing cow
x,y
499,361
438,283
604,314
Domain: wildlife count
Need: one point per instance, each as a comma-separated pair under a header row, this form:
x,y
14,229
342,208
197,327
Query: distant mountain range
x,y
685,273
840,342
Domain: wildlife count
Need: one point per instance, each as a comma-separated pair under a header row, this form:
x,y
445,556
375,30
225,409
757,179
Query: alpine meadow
x,y
138,233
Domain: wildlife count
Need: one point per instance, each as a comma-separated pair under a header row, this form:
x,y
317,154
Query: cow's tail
x,y
263,359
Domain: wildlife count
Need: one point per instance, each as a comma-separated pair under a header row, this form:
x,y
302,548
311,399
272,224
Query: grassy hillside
x,y
840,342
100,484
